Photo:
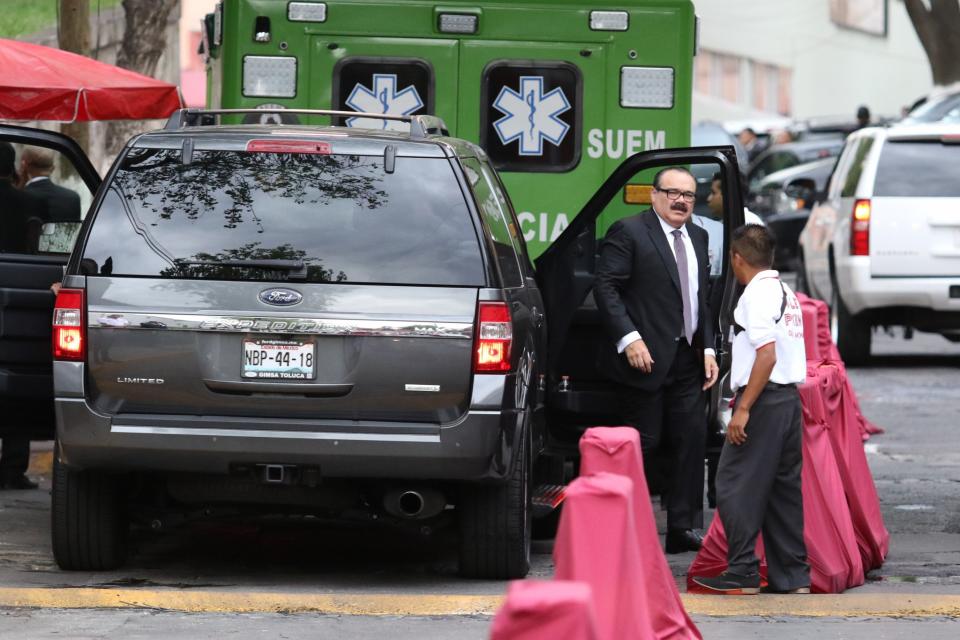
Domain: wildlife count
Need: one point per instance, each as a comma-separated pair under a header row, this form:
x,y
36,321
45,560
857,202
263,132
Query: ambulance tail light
x,y
69,333
269,76
494,338
646,87
860,229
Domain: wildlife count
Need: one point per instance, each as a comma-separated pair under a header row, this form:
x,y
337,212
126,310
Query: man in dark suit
x,y
36,165
651,291
16,209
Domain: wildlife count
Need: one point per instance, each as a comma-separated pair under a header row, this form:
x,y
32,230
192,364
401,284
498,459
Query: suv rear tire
x,y
496,522
88,520
852,334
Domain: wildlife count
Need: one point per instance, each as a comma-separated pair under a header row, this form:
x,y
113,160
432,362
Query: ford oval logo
x,y
280,297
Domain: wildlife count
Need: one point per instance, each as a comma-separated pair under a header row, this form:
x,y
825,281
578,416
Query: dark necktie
x,y
681,252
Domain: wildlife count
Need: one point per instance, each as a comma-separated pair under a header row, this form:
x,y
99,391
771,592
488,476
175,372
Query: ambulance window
x,y
398,86
531,115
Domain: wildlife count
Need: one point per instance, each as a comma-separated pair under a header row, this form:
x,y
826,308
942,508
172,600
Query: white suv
x,y
883,246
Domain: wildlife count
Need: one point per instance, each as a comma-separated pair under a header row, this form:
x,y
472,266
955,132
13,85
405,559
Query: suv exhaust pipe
x,y
414,504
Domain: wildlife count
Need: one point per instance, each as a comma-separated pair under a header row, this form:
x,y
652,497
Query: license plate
x,y
279,359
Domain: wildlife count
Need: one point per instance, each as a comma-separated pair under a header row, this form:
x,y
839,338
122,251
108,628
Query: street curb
x,y
204,601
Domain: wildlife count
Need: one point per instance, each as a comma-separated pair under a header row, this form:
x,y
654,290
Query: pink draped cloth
x,y
810,341
546,610
617,450
597,544
847,443
828,352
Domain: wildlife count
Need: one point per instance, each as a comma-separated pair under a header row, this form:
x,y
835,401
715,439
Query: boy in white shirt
x,y
758,478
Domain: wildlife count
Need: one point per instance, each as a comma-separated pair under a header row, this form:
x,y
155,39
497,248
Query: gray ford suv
x,y
321,320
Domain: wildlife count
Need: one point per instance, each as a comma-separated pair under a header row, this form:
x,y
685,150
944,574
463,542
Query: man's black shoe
x,y
681,540
730,583
18,482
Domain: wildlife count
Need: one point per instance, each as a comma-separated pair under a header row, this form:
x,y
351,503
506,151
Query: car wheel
x,y
88,520
496,523
851,335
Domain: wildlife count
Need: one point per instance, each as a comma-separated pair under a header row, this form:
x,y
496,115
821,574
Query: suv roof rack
x,y
421,126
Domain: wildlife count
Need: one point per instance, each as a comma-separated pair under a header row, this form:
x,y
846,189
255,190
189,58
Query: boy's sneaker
x,y
731,583
797,591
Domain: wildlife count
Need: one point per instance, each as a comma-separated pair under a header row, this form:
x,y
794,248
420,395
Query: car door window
x,y
495,220
856,168
42,201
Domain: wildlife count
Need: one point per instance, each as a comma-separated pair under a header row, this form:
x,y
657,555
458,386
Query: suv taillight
x,y
860,229
69,335
494,335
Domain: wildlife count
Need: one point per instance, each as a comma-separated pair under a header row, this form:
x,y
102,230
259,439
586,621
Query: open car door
x,y
579,395
47,184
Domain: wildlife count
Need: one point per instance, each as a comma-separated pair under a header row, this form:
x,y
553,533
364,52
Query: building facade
x,y
764,60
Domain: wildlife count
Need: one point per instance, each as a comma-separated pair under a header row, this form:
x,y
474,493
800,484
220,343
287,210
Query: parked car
x,y
939,108
784,200
318,320
884,246
790,154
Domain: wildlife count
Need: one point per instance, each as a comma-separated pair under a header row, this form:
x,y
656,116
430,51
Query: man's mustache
x,y
679,206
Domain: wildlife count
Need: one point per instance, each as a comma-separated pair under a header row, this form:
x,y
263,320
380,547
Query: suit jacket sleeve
x,y
614,268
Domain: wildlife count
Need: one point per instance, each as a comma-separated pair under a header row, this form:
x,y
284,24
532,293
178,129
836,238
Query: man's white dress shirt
x,y
693,279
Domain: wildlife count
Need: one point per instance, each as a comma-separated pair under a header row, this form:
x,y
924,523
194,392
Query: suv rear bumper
x,y
475,447
861,292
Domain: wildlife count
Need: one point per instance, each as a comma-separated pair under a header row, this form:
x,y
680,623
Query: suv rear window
x,y
342,216
918,169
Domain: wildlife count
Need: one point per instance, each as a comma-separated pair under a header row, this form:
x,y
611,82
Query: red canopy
x,y
42,83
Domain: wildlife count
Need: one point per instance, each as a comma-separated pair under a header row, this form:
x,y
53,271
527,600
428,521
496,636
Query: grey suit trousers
x,y
758,489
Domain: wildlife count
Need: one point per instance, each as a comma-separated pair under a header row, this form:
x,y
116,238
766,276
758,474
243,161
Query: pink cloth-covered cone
x,y
810,336
872,535
542,610
832,550
596,544
829,353
617,450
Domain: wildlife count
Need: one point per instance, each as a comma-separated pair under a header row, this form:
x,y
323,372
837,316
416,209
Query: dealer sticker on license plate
x,y
279,359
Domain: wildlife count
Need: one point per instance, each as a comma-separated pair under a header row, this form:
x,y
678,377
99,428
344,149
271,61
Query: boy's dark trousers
x,y
758,488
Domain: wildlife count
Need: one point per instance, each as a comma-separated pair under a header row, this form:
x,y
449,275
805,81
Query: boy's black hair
x,y
755,244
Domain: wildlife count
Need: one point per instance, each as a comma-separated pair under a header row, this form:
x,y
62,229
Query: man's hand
x,y
737,429
639,356
710,371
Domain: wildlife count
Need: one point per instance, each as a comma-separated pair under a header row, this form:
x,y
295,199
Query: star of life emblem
x,y
383,98
530,116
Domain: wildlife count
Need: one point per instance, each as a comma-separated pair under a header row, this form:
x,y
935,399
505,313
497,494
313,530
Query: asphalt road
x,y
194,581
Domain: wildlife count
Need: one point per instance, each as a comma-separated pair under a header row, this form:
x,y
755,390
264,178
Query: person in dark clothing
x,y
651,292
36,165
16,208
